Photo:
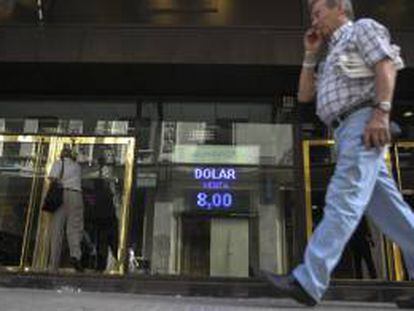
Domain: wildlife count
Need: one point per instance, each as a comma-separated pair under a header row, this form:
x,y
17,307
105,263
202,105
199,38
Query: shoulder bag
x,y
54,195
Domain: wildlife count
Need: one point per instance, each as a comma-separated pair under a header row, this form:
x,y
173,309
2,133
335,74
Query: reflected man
x,y
70,214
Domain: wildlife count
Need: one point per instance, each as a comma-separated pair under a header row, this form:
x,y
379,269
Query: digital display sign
x,y
216,191
215,200
219,201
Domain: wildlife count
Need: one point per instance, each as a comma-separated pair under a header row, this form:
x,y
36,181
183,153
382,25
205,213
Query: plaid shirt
x,y
337,92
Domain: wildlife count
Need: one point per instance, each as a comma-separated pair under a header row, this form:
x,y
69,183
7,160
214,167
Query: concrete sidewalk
x,y
70,299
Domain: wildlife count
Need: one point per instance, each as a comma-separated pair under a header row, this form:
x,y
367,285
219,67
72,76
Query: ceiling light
x,y
408,114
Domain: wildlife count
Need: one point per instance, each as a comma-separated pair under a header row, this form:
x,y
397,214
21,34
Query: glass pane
x,y
226,143
103,169
98,232
219,200
228,221
21,177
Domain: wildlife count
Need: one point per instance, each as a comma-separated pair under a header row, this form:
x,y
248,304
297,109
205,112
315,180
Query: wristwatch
x,y
384,106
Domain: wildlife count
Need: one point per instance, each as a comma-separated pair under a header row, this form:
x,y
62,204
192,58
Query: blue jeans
x,y
360,184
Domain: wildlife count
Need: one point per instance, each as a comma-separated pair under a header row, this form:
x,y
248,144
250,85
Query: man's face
x,y
324,19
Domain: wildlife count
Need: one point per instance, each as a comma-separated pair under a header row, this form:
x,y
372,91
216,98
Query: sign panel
x,y
216,154
216,192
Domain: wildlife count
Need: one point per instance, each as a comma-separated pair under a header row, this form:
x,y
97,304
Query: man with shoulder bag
x,y
67,172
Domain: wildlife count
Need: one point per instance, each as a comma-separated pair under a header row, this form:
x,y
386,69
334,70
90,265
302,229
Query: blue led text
x,y
215,173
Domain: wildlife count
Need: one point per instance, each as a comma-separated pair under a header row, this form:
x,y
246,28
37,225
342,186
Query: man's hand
x,y
377,132
312,41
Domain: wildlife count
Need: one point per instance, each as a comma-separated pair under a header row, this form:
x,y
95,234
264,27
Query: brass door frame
x,y
56,143
405,144
393,253
306,145
32,139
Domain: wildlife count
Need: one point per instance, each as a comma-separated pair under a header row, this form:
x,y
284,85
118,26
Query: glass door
x,y
106,176
106,166
22,166
368,254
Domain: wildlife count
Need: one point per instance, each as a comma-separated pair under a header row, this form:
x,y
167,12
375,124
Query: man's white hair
x,y
349,10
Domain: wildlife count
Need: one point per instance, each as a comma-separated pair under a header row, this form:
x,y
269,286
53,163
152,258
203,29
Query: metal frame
x,y
393,253
56,143
306,145
404,144
28,221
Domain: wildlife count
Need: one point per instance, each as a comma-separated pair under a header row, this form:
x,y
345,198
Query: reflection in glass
x,y
69,216
219,201
102,182
21,171
191,227
236,143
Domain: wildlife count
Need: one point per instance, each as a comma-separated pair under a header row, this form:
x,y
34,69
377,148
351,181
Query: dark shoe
x,y
288,286
405,302
76,263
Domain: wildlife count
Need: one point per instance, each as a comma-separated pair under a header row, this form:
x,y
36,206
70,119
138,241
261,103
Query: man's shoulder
x,y
368,24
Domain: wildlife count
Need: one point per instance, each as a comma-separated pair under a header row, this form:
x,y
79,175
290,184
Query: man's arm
x,y
377,133
312,42
306,92
385,74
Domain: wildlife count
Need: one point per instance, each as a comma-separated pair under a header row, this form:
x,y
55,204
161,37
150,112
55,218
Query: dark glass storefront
x,y
217,184
197,188
33,135
213,190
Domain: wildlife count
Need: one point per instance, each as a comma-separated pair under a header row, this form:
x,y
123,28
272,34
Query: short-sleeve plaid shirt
x,y
337,92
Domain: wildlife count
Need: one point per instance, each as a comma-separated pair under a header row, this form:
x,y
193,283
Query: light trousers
x,y
360,184
70,214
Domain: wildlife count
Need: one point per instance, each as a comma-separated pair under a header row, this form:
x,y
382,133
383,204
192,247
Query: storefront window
x,y
213,192
100,137
217,197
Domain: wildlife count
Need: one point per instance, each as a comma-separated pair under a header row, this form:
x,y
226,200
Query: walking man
x,y
353,85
